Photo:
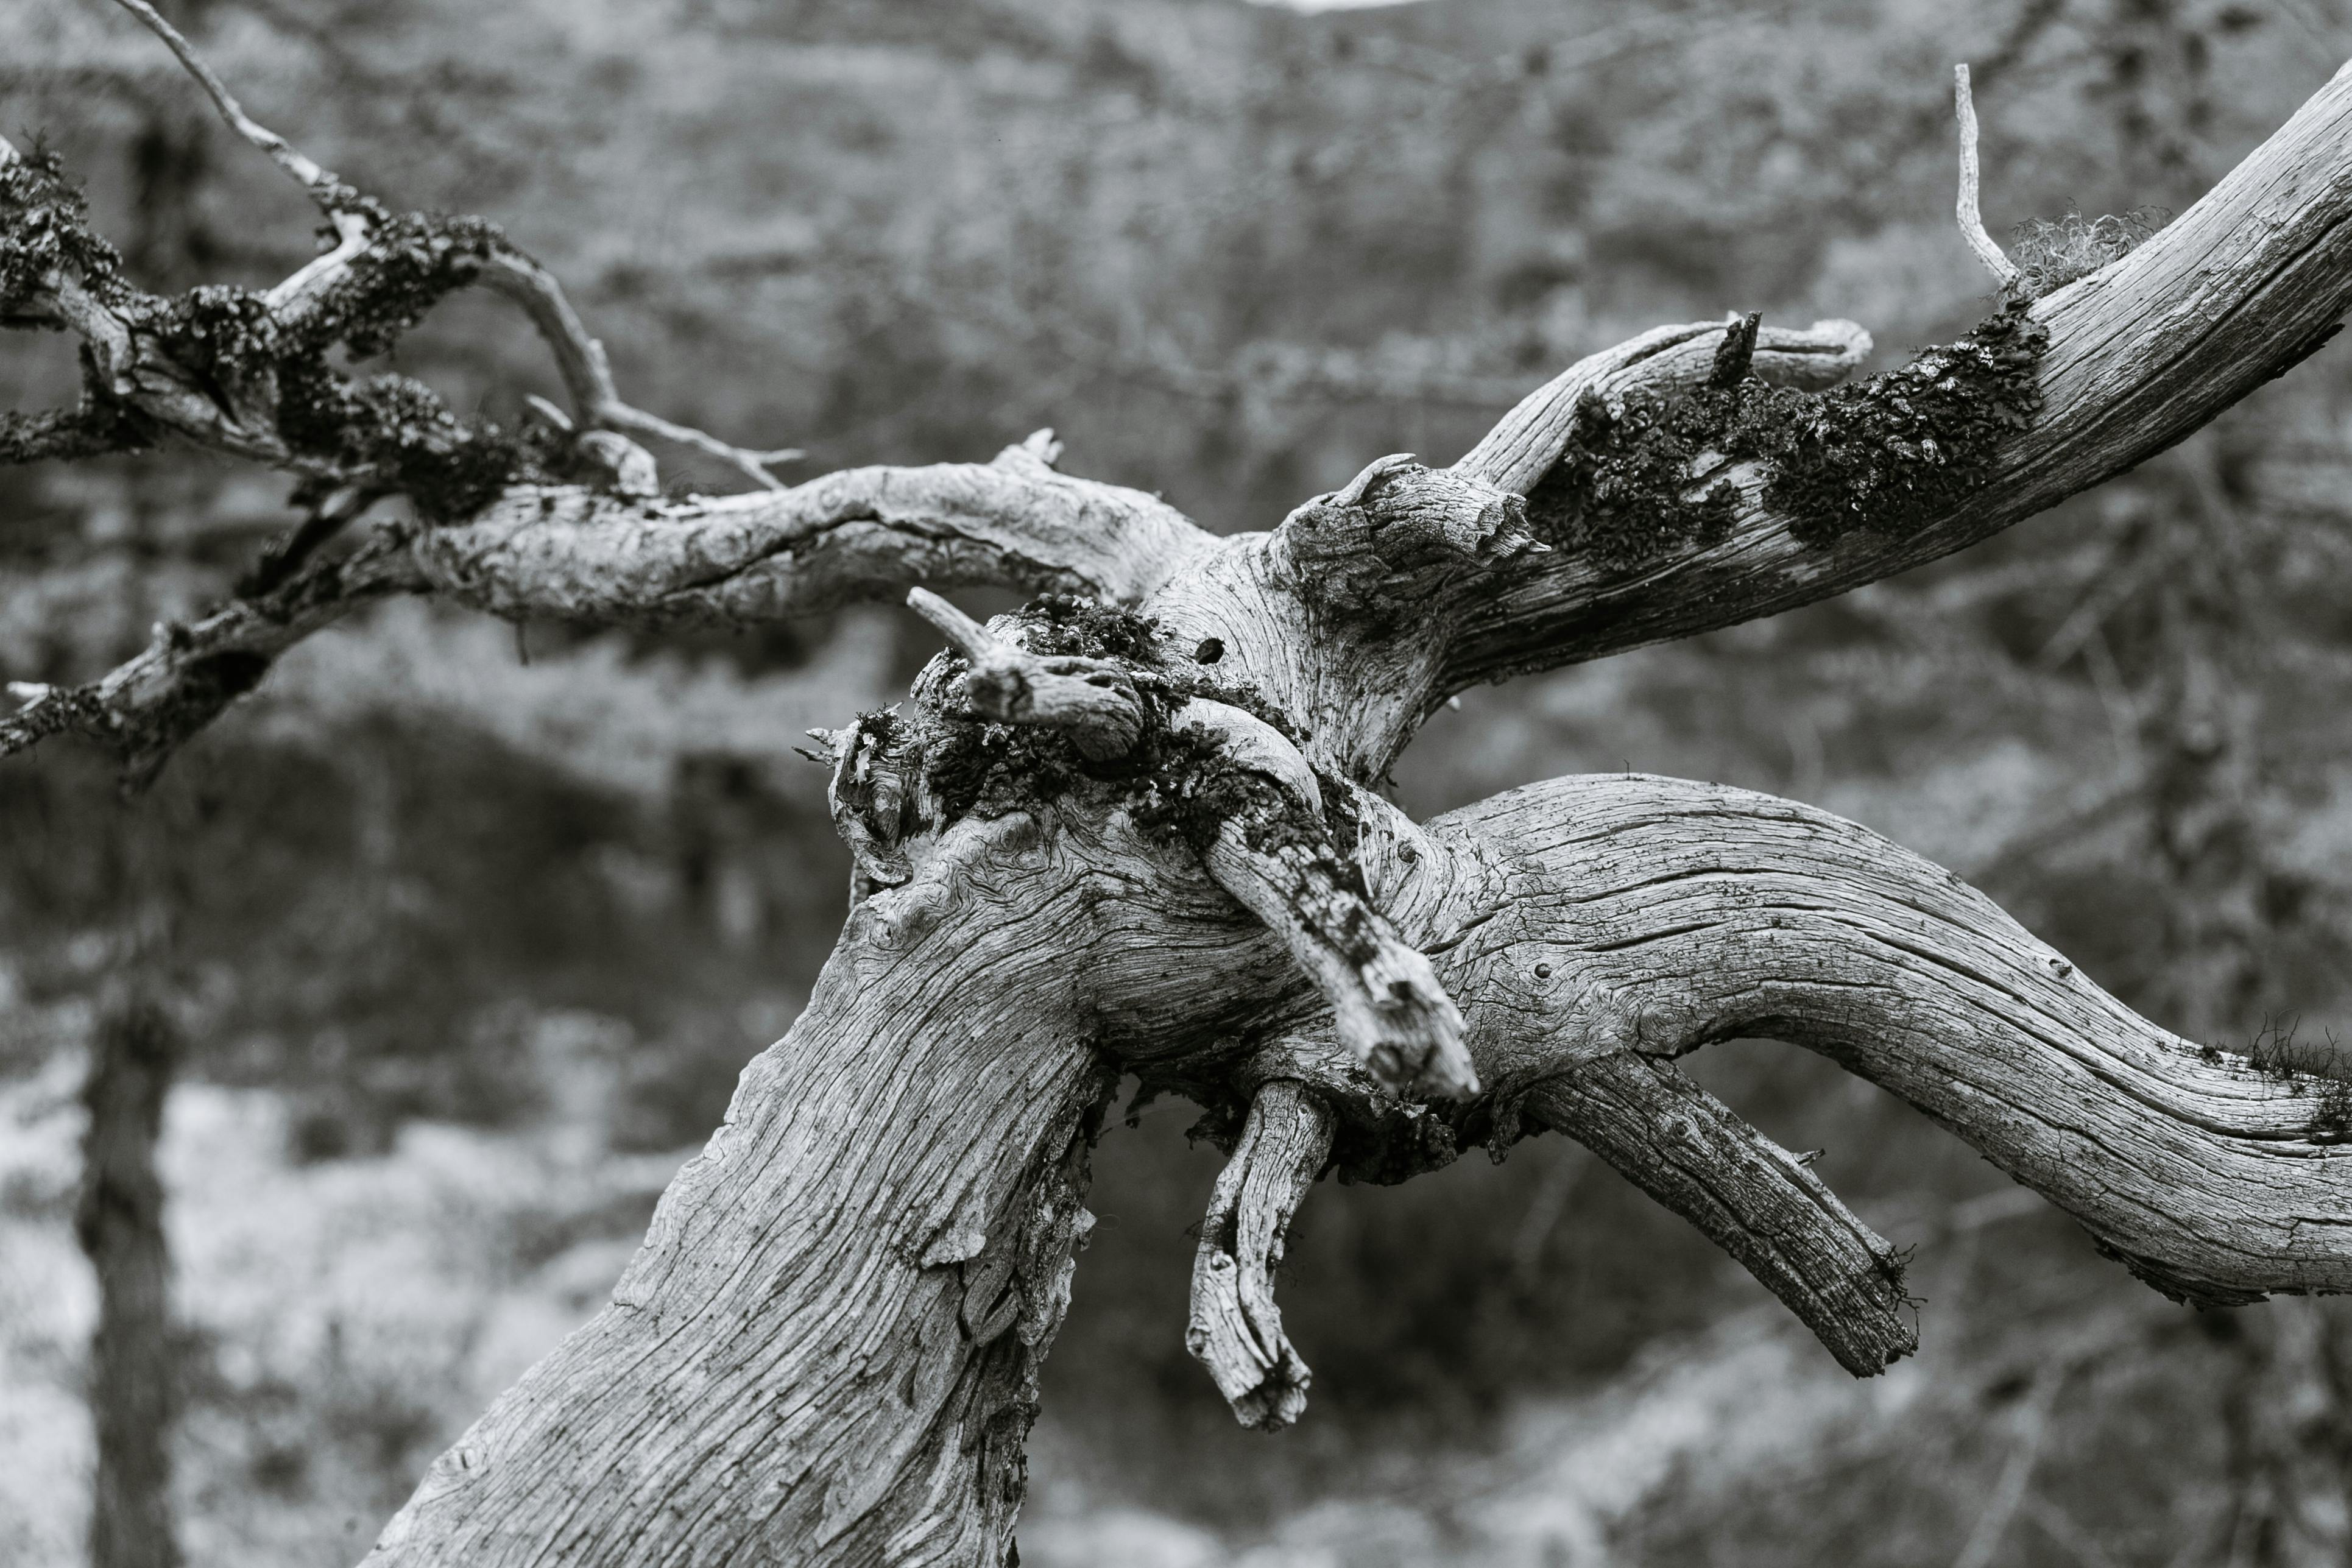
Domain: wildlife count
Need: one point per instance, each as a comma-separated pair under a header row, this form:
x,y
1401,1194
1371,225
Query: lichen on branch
x,y
1645,474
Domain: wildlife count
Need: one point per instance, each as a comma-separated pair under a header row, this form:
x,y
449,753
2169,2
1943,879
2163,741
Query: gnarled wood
x,y
826,1351
1235,1329
2232,293
1661,915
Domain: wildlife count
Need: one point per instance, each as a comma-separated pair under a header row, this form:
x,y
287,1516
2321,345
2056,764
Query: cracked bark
x,y
826,1350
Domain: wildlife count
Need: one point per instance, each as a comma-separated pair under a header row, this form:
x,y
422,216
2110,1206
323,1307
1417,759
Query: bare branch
x,y
360,223
1746,1193
1657,915
330,193
2237,290
145,709
1235,1330
573,553
587,372
1972,226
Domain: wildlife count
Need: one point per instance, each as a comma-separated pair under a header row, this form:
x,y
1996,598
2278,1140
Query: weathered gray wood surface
x,y
826,1351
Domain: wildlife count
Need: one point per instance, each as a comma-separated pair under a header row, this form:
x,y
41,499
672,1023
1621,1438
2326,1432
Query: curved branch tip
x,y
1971,221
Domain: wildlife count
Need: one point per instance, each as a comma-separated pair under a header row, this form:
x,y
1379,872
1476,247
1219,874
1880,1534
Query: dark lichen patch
x,y
1176,782
413,261
1894,452
1072,626
399,431
1619,496
45,228
1886,455
389,431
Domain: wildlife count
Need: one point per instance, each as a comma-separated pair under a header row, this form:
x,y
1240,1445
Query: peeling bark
x,y
1137,829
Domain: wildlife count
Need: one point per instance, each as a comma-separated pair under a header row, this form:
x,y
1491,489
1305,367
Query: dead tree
x,y
1132,828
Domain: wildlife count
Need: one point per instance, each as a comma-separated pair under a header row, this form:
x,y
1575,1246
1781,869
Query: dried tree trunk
x,y
1135,826
133,1375
827,1350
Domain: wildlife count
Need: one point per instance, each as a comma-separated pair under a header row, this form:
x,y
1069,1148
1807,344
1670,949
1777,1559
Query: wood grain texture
x,y
827,1350
1666,915
2228,295
1743,1192
1235,1329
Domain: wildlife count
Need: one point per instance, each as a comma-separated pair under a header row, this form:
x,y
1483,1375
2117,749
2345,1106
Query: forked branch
x,y
1688,913
2124,362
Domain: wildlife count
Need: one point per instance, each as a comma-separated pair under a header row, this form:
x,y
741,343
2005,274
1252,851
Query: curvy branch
x,y
1971,221
587,375
2235,292
1676,914
1743,1192
571,553
1011,946
1235,1329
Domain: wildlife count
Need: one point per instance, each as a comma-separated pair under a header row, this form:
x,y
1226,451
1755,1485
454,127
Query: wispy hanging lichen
x,y
2050,253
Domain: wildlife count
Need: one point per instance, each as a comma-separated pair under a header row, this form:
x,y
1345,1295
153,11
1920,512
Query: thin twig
x,y
754,464
1972,226
325,187
579,356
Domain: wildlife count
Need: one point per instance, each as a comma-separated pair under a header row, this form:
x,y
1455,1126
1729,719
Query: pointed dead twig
x,y
326,188
1972,226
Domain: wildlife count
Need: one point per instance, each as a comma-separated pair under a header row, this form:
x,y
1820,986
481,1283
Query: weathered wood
x,y
1661,915
1235,1330
826,1351
1745,1193
2228,295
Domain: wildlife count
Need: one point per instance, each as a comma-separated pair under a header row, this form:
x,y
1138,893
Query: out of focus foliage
x,y
470,945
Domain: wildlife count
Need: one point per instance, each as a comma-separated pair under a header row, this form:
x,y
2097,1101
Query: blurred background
x,y
423,969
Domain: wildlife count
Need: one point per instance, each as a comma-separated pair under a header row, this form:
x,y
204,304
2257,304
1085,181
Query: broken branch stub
x,y
1274,854
1235,1329
1746,1193
1093,700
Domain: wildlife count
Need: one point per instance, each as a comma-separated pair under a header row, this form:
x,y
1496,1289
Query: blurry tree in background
x,y
463,934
